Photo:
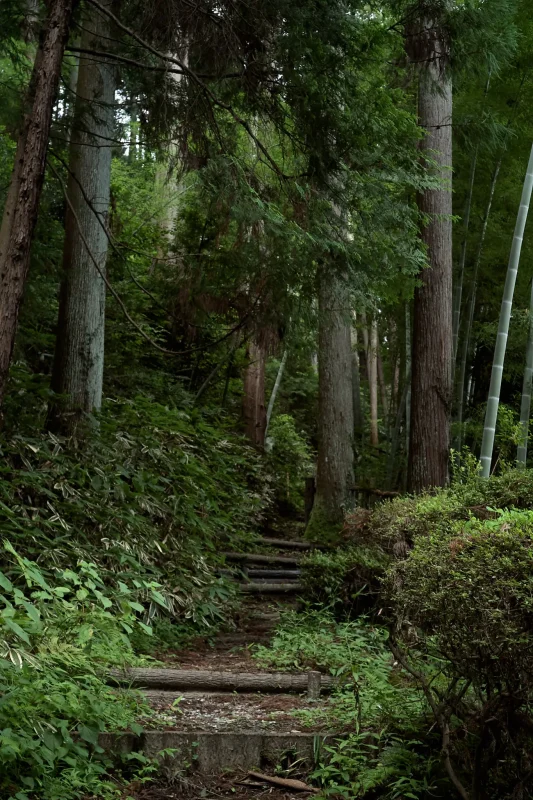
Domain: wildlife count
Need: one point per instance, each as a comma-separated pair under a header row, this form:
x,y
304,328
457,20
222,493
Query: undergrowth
x,y
110,550
384,749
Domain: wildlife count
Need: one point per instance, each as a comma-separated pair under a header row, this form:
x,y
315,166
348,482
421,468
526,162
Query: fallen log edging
x,y
261,558
264,587
190,679
286,544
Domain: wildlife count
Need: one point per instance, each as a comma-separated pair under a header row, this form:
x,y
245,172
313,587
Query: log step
x,y
261,558
290,574
287,544
265,587
260,574
194,680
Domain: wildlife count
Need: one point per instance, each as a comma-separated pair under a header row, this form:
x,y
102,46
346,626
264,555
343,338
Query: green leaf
x,y
146,628
88,734
5,583
17,630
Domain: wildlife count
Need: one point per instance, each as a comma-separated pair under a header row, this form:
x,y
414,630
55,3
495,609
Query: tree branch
x,y
196,78
439,713
117,297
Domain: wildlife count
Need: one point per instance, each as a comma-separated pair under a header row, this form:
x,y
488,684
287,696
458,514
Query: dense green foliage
x,y
381,712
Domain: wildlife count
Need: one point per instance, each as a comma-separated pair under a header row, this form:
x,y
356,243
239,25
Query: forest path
x,y
225,715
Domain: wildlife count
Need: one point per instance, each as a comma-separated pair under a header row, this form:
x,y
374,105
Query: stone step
x,y
212,753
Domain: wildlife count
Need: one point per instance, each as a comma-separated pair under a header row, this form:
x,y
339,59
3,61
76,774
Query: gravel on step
x,y
214,712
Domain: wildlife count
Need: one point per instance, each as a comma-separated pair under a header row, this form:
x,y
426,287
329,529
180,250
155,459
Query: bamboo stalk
x,y
275,390
493,402
472,307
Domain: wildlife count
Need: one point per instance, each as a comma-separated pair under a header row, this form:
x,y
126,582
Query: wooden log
x,y
259,587
287,544
261,558
194,680
291,574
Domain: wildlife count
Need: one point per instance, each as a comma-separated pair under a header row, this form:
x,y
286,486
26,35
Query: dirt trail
x,y
223,735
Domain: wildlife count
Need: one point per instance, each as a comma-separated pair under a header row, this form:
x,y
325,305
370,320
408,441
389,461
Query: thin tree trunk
x,y
79,355
22,204
408,381
356,380
372,362
395,436
491,414
525,406
458,293
335,474
471,309
432,324
381,381
134,119
275,389
254,406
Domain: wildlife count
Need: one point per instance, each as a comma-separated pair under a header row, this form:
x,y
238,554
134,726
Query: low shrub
x,y
394,525
58,639
463,601
347,579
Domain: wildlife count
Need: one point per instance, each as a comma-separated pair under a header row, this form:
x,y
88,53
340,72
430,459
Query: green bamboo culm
x,y
493,401
525,405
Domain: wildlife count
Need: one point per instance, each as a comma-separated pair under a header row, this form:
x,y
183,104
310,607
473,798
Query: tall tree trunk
x,y
372,361
254,405
525,406
493,402
471,309
22,203
79,355
432,323
275,389
335,474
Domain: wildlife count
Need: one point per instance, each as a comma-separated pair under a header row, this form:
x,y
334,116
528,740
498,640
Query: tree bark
x,y
254,405
188,679
432,323
335,472
22,203
79,355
